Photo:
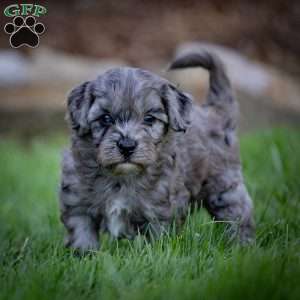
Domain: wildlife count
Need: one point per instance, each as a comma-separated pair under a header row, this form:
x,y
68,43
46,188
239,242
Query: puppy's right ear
x,y
79,102
178,106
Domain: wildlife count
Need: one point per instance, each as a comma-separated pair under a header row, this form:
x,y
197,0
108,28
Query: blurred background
x,y
259,42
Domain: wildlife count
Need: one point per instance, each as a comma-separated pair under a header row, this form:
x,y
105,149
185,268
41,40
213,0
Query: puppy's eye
x,y
149,120
106,120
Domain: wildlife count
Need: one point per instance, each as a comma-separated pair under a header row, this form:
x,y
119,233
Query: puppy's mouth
x,y
126,168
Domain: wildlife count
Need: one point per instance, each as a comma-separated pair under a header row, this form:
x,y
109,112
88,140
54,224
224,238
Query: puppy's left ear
x,y
178,106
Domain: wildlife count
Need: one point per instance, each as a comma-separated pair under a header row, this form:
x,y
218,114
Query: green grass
x,y
198,263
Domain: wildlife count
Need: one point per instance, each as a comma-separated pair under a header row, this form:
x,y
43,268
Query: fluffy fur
x,y
184,154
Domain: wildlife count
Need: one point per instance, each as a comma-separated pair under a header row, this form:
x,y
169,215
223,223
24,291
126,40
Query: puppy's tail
x,y
220,94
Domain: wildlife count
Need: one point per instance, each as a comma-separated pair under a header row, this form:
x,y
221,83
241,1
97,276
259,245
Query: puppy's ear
x,y
178,106
79,101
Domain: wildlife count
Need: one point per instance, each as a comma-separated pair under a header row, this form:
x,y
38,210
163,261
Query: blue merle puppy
x,y
141,153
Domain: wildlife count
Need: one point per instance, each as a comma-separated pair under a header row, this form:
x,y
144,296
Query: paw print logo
x,y
24,31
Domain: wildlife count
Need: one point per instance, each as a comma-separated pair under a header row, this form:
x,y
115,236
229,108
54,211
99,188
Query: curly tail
x,y
220,95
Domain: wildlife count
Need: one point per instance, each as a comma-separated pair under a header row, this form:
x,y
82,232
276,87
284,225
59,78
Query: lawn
x,y
198,263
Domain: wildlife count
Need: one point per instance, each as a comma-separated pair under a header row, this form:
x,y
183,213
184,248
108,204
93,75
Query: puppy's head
x,y
126,115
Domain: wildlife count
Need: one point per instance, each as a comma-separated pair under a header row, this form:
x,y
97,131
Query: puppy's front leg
x,y
234,205
82,232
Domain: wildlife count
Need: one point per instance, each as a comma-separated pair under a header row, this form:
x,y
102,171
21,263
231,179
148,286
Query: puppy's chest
x,y
125,209
133,204
117,213
117,207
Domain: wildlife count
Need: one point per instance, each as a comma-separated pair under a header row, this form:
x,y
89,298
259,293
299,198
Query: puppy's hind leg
x,y
230,201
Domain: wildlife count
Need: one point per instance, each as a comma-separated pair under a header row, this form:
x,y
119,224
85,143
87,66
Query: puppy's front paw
x,y
82,244
246,233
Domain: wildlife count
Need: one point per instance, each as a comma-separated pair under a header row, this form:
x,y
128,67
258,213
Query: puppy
x,y
142,152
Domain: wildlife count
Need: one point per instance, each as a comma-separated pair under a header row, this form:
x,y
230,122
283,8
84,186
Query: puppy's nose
x,y
126,146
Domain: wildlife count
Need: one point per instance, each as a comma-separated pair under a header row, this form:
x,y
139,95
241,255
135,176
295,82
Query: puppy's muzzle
x,y
126,146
